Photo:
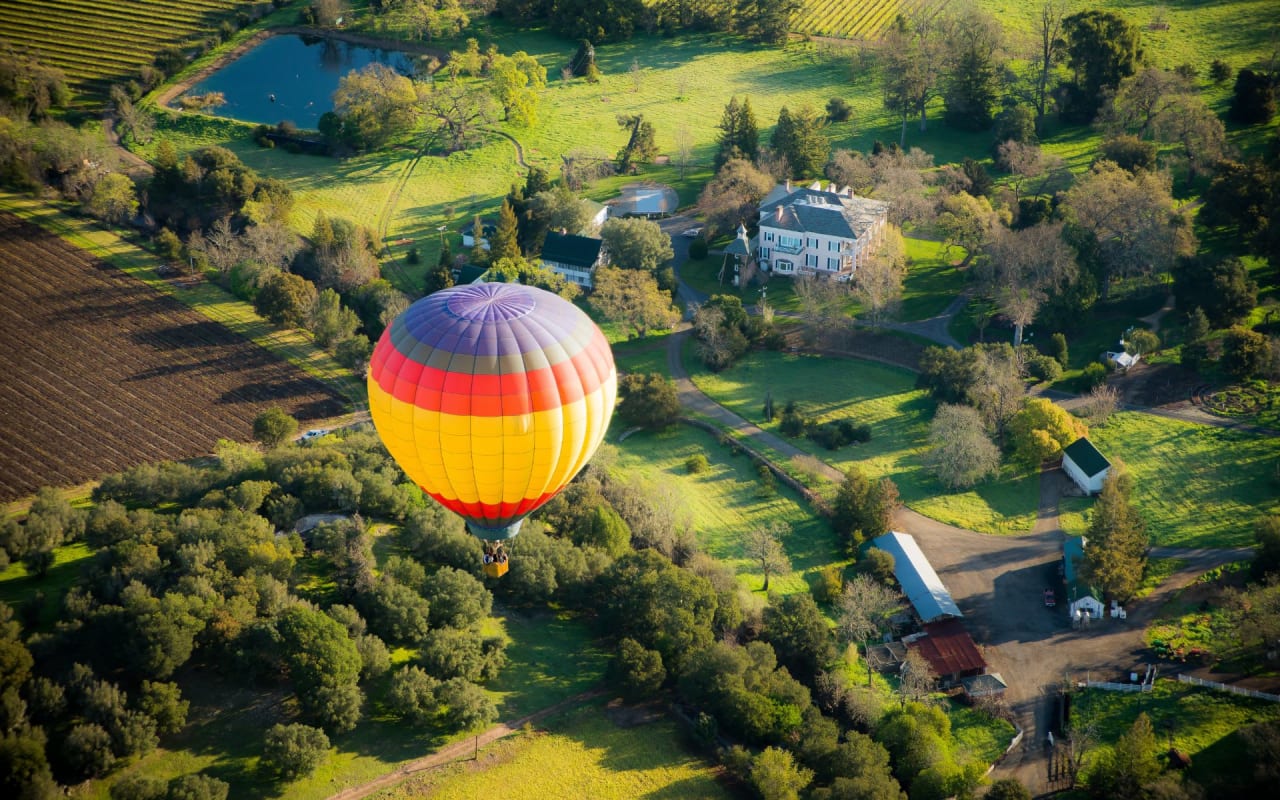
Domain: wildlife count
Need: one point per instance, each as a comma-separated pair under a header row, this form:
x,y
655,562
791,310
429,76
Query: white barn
x,y
1085,465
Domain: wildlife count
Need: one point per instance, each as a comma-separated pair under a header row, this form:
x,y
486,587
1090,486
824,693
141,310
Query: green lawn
x,y
1200,722
976,735
642,355
932,281
725,501
17,586
883,397
1198,32
1196,486
581,753
551,658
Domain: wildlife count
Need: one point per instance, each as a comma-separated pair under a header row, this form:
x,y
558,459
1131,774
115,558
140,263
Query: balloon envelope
x,y
492,397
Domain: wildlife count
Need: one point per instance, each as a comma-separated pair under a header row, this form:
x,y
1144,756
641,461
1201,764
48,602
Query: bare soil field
x,y
99,372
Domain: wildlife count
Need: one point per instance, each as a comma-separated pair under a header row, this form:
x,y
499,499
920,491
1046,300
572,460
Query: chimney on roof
x,y
777,210
847,191
816,186
787,186
564,231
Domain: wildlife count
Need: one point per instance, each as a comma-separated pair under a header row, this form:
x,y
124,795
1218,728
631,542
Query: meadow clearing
x,y
581,753
550,657
726,500
1202,723
885,398
1196,486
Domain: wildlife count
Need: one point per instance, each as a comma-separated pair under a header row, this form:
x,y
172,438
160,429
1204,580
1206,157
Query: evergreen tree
x,y
972,90
784,136
504,242
1102,49
1117,551
441,275
799,138
739,134
863,509
748,131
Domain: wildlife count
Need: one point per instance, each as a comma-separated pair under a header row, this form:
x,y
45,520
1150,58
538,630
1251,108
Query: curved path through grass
x,y
461,748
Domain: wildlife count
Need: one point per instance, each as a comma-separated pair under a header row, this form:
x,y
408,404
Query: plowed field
x,y
99,371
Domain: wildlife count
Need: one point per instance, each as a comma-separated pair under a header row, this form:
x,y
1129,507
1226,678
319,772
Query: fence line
x,y
1240,690
1016,740
1116,687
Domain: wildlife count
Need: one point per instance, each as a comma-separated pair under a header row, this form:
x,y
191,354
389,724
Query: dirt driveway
x,y
998,584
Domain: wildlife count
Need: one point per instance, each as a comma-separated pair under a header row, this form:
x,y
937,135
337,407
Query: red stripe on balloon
x,y
467,394
493,516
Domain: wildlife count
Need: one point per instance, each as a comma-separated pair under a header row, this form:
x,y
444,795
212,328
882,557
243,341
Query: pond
x,y
291,77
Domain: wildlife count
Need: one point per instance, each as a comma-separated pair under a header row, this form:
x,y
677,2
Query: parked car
x,y
691,233
314,433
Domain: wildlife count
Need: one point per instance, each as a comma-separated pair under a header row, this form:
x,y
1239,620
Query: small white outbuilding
x,y
1085,465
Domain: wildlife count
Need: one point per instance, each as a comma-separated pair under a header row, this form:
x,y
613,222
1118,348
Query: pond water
x,y
292,77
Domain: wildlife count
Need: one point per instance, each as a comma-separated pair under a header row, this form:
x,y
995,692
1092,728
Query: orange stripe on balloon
x,y
466,394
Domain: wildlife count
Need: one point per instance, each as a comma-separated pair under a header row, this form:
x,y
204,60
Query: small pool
x,y
291,77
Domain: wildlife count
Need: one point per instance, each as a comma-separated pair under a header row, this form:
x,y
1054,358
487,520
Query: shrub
x,y
793,422
1130,153
413,257
168,245
1060,351
1094,374
838,110
768,483
837,433
698,249
1044,368
696,464
1220,71
294,750
829,585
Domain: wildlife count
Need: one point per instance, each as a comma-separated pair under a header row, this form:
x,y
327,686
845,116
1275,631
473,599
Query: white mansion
x,y
815,231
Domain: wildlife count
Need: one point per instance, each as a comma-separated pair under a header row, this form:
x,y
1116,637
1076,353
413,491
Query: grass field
x,y
725,501
885,398
1200,722
643,355
582,753
551,658
17,586
981,737
1238,31
1195,486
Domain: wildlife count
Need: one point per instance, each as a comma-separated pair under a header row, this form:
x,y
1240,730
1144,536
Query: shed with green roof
x,y
1085,465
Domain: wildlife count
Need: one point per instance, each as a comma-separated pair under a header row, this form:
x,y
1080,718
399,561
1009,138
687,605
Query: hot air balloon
x,y
492,397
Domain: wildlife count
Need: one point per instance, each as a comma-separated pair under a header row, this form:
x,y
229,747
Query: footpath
x,y
460,749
